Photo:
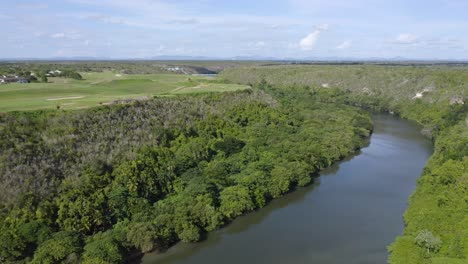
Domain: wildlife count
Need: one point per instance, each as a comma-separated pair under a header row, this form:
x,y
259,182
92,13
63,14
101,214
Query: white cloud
x,y
183,21
308,43
407,38
69,35
344,45
260,44
107,19
256,46
58,35
322,27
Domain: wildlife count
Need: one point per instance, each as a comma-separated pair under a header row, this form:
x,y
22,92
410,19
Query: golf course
x,y
103,88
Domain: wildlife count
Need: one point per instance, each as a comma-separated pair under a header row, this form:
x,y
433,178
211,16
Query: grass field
x,y
103,88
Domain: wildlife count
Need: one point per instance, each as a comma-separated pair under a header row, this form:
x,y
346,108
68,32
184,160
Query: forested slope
x,y
437,216
103,184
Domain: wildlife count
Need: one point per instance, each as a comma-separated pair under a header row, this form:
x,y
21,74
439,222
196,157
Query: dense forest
x,y
437,216
107,183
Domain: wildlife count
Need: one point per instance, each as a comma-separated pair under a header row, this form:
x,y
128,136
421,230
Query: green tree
x,y
190,232
58,248
142,236
103,248
150,175
83,209
427,240
229,145
13,246
281,179
235,200
34,233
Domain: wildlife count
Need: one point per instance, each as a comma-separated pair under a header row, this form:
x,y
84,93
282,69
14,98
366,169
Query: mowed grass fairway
x,y
103,88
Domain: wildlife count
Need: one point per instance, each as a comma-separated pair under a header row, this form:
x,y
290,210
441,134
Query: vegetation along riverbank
x,y
437,215
99,185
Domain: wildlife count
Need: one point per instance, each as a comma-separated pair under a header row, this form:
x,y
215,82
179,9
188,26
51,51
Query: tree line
x,y
38,72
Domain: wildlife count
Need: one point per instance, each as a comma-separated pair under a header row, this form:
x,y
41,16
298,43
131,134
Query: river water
x,y
350,214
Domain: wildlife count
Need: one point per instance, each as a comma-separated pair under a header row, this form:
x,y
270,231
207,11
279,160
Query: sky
x,y
300,29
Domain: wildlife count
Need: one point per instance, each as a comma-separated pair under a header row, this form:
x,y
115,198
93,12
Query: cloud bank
x,y
281,29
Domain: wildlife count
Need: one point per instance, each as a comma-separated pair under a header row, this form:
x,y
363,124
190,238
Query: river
x,y
350,214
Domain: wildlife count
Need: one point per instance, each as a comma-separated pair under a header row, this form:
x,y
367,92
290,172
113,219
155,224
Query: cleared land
x,y
103,88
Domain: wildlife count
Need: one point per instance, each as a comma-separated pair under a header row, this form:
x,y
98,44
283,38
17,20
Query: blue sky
x,y
417,29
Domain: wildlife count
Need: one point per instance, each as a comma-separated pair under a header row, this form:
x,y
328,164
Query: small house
x,y
12,79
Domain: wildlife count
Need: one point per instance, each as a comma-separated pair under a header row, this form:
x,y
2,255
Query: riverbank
x,y
349,214
436,98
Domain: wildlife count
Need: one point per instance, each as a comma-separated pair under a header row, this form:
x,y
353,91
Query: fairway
x,y
103,88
